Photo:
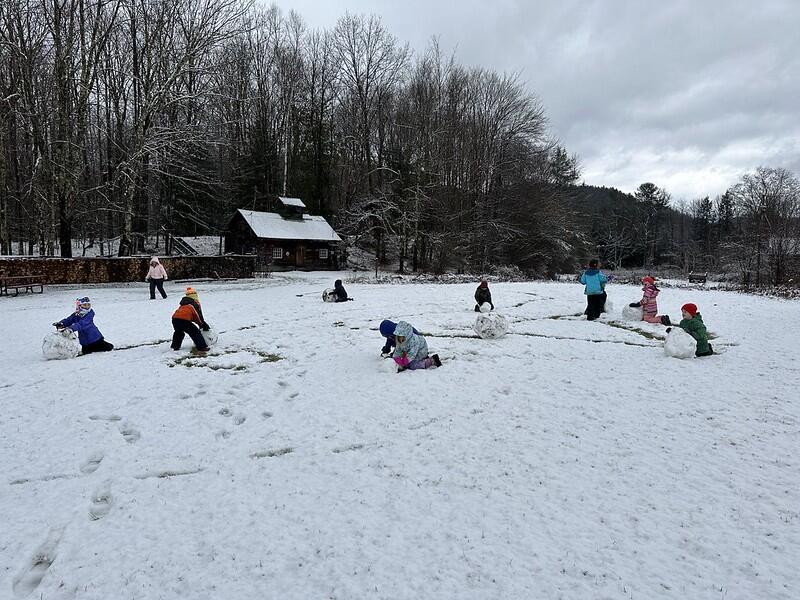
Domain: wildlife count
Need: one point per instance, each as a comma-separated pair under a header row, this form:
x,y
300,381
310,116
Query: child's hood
x,y
154,259
403,329
592,271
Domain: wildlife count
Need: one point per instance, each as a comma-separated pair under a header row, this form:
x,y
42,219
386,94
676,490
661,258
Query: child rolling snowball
x,y
649,304
185,321
692,323
483,296
82,323
411,352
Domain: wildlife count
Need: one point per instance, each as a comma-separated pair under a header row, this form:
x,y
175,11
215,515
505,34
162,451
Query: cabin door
x,y
300,256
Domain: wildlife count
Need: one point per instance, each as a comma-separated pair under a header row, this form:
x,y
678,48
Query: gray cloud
x,y
686,94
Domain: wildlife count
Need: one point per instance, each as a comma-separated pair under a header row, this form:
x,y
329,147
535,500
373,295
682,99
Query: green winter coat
x,y
697,329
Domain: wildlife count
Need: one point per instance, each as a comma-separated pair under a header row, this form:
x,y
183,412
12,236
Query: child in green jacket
x,y
692,323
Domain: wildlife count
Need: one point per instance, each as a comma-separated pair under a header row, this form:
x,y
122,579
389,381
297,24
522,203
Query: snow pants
x,y
183,327
100,345
595,305
421,363
157,283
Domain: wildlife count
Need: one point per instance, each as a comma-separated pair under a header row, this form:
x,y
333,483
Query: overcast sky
x,y
687,94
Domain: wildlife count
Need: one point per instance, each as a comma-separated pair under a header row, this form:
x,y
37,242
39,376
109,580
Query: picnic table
x,y
26,283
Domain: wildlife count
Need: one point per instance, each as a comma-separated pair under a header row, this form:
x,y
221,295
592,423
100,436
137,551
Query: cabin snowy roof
x,y
291,202
273,226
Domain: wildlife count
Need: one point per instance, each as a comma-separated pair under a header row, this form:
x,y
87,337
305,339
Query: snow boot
x,y
436,360
199,352
665,320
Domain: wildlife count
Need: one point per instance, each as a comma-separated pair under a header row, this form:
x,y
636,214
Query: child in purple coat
x,y
82,322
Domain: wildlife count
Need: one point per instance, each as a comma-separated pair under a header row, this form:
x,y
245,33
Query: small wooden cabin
x,y
284,240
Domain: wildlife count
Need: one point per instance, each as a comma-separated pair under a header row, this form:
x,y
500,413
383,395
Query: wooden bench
x,y
698,277
26,283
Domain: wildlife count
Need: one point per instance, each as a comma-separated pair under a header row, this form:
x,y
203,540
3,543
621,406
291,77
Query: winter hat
x,y
387,328
484,283
648,279
690,308
191,293
82,305
337,283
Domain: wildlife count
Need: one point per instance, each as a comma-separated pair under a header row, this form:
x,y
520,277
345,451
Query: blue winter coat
x,y
88,333
595,282
414,346
387,330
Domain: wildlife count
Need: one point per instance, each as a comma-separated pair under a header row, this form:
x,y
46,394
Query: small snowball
x,y
211,336
679,344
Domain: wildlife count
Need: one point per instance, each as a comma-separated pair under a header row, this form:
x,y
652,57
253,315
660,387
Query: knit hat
x,y
82,305
387,328
690,308
191,293
484,283
648,279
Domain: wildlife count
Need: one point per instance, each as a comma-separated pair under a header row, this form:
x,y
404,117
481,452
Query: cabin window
x,y
323,253
277,253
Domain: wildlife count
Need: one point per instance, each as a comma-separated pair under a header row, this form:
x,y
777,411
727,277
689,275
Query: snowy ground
x,y
567,460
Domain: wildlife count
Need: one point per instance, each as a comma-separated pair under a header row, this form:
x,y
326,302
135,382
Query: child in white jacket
x,y
156,275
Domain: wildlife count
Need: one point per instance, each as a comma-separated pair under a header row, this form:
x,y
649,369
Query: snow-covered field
x,y
569,459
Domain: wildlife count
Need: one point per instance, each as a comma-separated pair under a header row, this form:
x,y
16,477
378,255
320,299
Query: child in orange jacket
x,y
186,320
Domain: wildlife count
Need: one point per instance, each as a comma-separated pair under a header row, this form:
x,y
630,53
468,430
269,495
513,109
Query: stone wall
x,y
113,270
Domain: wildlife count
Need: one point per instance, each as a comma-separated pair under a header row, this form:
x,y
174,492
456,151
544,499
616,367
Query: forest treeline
x,y
124,119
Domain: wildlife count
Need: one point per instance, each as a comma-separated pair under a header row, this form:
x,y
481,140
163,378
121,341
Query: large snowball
x,y
485,307
490,325
679,344
211,336
329,295
632,313
59,345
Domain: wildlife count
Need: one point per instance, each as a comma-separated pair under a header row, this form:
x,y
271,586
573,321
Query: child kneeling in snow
x,y
387,328
412,350
82,322
692,323
184,319
649,303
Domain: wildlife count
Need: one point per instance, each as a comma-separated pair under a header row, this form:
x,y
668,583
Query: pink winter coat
x,y
649,303
156,272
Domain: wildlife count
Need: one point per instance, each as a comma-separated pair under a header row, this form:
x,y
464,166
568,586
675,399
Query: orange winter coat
x,y
189,310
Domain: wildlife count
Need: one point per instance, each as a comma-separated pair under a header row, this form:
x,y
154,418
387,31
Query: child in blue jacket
x,y
82,322
595,282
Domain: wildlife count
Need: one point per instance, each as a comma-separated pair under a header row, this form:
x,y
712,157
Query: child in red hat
x,y
649,303
692,323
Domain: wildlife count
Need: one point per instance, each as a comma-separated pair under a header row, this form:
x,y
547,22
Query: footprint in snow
x,y
92,463
36,568
225,412
271,453
239,419
101,504
130,434
266,415
347,448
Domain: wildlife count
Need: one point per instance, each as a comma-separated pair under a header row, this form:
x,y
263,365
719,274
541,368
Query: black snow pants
x,y
100,345
595,305
157,283
183,327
